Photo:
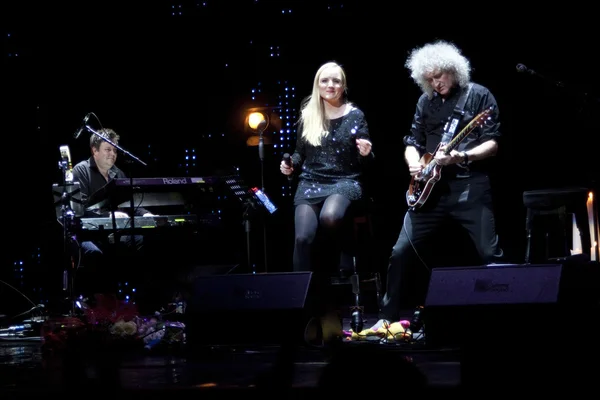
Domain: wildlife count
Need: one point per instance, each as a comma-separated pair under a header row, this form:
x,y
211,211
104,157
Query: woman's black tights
x,y
330,216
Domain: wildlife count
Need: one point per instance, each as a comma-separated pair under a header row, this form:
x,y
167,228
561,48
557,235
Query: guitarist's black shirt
x,y
432,114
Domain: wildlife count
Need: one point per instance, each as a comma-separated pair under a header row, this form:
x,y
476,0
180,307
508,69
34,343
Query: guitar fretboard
x,y
474,123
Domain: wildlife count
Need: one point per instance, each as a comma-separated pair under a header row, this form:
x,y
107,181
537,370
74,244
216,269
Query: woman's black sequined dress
x,y
335,167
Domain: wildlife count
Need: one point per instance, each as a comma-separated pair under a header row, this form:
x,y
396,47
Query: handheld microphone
x,y
287,159
82,127
65,155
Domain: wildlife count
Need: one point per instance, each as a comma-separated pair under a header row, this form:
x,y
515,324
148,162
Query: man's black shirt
x,y
91,180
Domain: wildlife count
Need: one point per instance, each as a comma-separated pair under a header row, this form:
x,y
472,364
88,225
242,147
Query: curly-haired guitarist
x,y
454,130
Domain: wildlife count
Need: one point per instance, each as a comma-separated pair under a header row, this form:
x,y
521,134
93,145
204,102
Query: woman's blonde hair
x,y
313,120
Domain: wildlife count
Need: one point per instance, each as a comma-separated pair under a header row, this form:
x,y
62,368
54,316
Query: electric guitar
x,y
422,184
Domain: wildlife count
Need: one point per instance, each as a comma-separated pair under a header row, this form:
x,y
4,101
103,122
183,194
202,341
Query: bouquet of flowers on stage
x,y
111,324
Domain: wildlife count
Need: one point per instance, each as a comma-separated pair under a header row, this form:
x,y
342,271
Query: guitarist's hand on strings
x,y
415,168
442,158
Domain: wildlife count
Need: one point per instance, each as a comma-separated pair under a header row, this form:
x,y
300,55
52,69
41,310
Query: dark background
x,y
170,76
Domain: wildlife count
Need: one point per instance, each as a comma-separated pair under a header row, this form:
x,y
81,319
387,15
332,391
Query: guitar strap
x,y
454,119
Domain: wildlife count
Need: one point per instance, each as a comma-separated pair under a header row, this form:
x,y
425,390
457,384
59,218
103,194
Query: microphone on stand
x,y
287,159
523,69
82,127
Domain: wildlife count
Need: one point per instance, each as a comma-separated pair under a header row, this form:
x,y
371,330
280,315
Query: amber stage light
x,y
257,121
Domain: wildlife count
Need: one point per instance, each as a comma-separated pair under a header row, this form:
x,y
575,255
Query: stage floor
x,y
302,371
503,347
23,370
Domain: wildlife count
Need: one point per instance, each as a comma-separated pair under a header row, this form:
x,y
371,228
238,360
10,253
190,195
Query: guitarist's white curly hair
x,y
438,56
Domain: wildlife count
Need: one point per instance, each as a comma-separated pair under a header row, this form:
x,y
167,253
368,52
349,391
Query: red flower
x,y
109,310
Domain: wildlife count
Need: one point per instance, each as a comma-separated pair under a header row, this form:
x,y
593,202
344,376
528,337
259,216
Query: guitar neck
x,y
457,139
475,122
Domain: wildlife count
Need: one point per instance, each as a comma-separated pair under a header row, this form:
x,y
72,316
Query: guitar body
x,y
421,185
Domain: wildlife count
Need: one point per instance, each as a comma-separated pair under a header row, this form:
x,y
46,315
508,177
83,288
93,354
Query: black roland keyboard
x,y
150,222
163,182
149,192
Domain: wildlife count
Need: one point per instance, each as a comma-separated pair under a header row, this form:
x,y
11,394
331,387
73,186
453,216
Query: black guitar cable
x,y
412,244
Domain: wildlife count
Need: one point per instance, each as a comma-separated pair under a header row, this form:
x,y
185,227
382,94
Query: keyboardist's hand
x,y
120,214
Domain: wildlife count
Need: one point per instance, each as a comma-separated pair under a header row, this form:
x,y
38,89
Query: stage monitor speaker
x,y
242,309
509,321
494,285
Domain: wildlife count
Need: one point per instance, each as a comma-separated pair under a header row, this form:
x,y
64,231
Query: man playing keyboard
x,y
93,174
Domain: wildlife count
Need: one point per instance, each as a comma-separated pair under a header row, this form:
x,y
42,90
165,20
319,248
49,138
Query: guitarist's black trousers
x,y
466,201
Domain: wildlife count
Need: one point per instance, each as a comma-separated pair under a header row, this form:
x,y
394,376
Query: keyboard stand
x,y
68,206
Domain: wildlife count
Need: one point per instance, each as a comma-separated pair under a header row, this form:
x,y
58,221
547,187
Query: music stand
x,y
254,201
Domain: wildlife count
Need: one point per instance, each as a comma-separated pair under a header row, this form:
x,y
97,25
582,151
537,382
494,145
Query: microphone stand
x,y
523,69
559,84
583,97
68,222
261,155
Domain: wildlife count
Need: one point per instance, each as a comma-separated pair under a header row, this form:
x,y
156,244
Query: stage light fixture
x,y
257,121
